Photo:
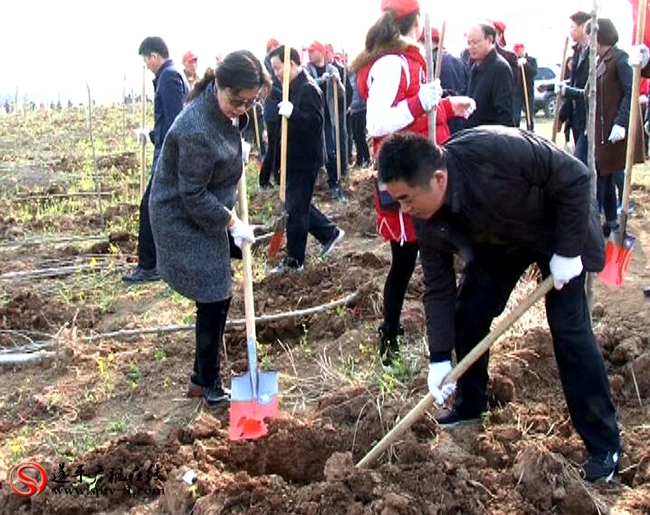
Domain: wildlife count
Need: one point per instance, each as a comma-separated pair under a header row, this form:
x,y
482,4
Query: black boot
x,y
210,325
390,337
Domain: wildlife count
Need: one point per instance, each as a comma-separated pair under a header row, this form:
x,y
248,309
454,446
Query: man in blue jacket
x,y
502,199
171,89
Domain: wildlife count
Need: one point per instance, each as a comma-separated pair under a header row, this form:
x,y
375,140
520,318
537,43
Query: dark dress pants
x,y
485,289
304,218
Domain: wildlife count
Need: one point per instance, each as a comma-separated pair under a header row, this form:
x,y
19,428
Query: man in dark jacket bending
x,y
503,199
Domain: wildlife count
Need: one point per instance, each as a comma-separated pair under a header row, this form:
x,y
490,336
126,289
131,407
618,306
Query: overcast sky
x,y
50,49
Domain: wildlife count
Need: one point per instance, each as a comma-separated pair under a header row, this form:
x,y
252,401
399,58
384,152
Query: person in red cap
x,y
529,66
453,75
328,77
511,59
189,68
389,75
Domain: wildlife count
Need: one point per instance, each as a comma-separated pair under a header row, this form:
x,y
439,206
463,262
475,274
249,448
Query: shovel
x,y
618,252
254,394
419,409
258,140
281,220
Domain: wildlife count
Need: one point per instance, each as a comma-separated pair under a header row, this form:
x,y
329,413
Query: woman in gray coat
x,y
192,197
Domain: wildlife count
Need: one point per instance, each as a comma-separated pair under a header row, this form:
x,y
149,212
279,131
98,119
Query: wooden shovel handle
x,y
558,95
247,260
284,123
428,45
457,372
633,124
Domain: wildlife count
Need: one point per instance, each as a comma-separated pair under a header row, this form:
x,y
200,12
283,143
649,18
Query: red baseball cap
x,y
328,48
401,8
189,57
271,44
435,36
316,47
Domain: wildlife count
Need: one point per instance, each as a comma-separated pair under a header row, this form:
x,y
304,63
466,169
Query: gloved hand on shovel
x,y
430,95
437,372
240,231
564,269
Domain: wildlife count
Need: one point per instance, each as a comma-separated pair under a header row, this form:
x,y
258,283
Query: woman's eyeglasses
x,y
237,102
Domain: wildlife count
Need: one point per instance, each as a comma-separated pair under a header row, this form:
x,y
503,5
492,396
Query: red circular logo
x,y
18,478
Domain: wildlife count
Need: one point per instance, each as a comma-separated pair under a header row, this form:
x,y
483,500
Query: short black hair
x,y
580,17
279,52
410,158
488,30
153,44
607,34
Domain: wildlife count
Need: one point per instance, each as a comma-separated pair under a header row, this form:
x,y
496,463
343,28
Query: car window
x,y
544,73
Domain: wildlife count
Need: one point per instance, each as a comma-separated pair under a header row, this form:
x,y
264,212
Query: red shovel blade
x,y
247,419
617,262
278,235
276,243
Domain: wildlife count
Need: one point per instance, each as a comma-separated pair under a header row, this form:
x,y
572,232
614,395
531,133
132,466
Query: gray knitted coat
x,y
193,188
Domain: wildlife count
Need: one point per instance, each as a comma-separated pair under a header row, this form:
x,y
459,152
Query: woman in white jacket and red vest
x,y
391,75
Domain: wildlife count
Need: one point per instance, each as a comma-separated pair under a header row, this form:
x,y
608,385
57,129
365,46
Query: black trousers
x,y
271,162
330,148
146,245
485,289
403,260
606,194
304,218
210,326
358,126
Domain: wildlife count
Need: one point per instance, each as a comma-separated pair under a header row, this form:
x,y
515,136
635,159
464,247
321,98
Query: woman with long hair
x,y
390,74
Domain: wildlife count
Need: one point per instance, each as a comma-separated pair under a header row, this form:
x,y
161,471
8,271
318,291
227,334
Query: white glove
x,y
522,61
643,99
142,136
335,75
462,106
430,94
245,150
564,269
285,108
437,372
241,231
560,87
325,76
639,56
617,134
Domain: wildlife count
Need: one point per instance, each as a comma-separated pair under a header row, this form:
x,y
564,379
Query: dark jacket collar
x,y
489,59
167,64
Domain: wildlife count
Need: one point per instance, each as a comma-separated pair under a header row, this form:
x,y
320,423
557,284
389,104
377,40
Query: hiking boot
x,y
328,248
289,264
194,389
141,275
389,341
216,397
601,466
646,291
450,418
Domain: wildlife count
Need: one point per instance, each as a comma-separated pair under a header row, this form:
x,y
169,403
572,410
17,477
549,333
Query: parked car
x,y
544,85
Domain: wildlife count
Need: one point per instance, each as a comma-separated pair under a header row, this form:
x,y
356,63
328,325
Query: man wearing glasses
x,y
171,88
490,79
